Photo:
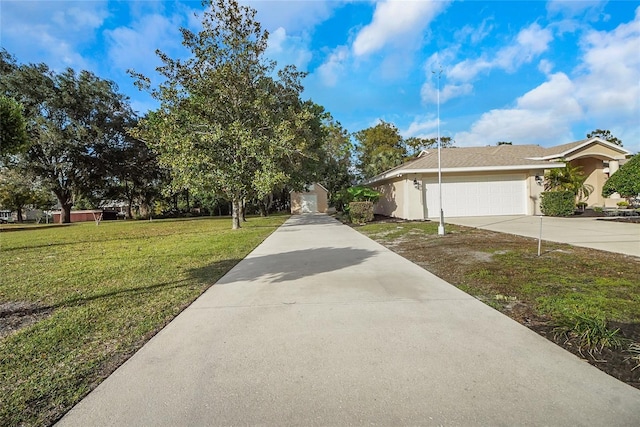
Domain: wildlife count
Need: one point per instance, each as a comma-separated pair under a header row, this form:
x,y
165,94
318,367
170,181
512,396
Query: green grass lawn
x,y
484,264
587,301
102,292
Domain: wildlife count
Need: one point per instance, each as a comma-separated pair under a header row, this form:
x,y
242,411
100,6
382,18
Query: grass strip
x,y
97,294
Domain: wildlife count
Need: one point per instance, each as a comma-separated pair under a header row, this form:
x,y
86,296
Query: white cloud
x,y
545,66
474,34
429,91
542,114
608,80
51,32
604,90
294,16
527,45
134,46
394,21
333,67
421,127
286,50
574,8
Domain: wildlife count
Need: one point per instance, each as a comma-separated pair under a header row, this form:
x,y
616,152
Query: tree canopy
x,y
228,122
379,148
606,135
13,137
625,181
75,121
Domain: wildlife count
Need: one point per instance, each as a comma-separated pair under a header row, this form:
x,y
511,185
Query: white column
x,y
614,165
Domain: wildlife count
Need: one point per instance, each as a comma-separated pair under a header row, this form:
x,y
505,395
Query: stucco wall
x,y
391,199
594,170
534,190
403,198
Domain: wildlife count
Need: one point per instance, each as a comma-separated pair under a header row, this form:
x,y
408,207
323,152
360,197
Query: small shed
x,y
314,200
80,216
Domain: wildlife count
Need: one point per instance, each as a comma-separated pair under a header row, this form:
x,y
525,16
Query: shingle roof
x,y
501,157
468,157
559,149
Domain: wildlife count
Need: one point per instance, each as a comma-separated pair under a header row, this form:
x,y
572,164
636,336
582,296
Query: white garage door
x,y
309,203
477,195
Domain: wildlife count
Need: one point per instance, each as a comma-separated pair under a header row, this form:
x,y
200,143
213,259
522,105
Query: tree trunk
x,y
236,213
243,206
65,213
20,218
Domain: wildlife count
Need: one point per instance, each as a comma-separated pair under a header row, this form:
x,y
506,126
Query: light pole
x,y
441,224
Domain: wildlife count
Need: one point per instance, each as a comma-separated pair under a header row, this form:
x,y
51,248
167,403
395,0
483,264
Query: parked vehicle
x,y
5,216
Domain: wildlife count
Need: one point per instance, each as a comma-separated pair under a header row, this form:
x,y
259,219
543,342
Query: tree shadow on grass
x,y
204,277
293,265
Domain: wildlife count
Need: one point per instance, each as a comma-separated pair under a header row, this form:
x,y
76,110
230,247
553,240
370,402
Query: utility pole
x,y
441,224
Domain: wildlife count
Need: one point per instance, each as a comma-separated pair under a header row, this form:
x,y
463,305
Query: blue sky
x,y
530,72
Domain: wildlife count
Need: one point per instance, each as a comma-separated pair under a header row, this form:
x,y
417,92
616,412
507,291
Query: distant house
x,y
314,200
493,180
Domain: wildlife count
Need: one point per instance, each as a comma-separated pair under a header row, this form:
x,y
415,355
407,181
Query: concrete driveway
x,y
322,326
593,233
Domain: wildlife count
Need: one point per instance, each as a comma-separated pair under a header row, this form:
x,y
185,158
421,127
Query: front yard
x,y
76,301
576,297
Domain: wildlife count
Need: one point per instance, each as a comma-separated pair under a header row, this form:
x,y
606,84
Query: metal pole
x,y
441,224
540,236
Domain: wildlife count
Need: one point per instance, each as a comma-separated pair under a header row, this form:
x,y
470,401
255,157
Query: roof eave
x,y
398,173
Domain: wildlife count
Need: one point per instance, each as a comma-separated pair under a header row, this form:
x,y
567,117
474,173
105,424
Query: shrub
x,y
623,204
361,212
598,209
558,203
626,181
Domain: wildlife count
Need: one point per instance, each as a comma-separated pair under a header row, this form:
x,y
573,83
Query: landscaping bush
x,y
623,204
361,212
558,203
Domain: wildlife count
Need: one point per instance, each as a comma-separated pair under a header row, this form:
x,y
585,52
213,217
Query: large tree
x,y
134,176
606,135
19,190
13,135
226,123
415,145
379,148
625,181
337,172
74,120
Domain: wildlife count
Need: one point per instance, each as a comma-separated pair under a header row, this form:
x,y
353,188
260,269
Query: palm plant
x,y
569,178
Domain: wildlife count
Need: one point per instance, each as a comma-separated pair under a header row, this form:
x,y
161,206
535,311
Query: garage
x,y
476,195
313,200
308,203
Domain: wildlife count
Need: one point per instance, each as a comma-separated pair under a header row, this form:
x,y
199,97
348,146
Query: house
x,y
493,180
315,199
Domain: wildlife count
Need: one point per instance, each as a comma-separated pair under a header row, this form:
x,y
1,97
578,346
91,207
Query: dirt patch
x,y
465,258
15,315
